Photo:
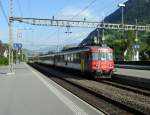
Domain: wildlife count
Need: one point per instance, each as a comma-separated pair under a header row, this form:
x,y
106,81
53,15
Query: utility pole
x,y
103,34
98,39
22,55
10,37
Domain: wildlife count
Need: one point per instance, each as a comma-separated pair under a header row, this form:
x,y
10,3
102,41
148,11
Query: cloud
x,y
71,12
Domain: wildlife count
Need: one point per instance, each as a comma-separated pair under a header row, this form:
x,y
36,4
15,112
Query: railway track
x,y
126,87
99,98
136,82
124,84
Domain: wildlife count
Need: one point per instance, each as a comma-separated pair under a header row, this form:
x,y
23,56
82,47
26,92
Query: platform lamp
x,y
122,13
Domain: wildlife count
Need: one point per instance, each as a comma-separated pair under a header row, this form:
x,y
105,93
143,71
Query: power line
x,y
55,32
29,7
4,13
85,8
19,6
62,8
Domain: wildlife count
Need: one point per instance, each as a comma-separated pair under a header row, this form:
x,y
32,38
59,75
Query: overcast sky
x,y
35,37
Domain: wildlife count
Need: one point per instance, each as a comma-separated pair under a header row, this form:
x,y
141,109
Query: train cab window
x,y
109,56
102,56
106,56
95,56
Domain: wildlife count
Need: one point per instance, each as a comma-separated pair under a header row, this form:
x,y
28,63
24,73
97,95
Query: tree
x,y
2,48
121,43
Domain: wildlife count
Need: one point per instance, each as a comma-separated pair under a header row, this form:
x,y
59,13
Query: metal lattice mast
x,y
10,37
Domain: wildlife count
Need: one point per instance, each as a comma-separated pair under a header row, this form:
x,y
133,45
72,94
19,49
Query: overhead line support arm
x,y
81,24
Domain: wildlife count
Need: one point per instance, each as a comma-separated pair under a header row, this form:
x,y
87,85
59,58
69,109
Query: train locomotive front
x,y
101,63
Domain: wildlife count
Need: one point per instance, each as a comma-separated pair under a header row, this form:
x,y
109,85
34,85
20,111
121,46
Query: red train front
x,y
101,64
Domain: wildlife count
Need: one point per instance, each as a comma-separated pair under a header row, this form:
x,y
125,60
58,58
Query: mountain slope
x,y
135,9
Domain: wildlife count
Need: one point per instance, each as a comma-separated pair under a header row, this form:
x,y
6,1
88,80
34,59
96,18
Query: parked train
x,y
96,61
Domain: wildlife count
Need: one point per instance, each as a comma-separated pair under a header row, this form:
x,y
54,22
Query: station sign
x,y
136,46
17,45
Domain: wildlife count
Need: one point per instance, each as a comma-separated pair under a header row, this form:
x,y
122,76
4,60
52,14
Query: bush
x,y
3,60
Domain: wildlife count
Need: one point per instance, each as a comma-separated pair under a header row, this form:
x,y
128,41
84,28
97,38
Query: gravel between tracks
x,y
134,100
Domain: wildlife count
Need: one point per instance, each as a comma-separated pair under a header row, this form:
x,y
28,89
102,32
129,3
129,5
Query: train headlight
x,y
96,65
111,65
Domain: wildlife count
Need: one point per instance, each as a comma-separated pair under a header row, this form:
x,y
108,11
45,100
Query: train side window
x,y
62,58
72,57
59,57
68,56
78,57
65,57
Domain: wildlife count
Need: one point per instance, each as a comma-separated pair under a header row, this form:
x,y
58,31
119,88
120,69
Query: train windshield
x,y
102,56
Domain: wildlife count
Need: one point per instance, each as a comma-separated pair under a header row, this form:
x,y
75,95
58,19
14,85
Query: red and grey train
x,y
97,61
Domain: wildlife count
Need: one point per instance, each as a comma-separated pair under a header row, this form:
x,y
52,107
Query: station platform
x,y
134,77
143,74
28,92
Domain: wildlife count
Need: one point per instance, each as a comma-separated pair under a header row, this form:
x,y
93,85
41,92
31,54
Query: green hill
x,y
134,9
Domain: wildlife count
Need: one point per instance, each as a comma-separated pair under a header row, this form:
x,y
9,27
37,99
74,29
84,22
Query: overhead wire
x,y
76,14
85,8
82,10
29,7
61,8
19,6
4,13
55,32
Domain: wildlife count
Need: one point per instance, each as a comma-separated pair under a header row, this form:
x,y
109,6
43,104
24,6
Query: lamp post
x,y
122,20
122,12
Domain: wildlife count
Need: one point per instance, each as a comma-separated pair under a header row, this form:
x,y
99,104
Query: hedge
x,y
3,60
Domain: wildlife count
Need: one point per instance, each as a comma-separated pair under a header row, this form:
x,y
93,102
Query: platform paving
x,y
144,74
28,92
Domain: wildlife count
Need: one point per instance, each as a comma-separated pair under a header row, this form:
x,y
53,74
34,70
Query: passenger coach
x,y
97,61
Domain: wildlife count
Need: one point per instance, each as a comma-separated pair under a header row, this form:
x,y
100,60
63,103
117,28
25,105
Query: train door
x,y
82,62
86,61
55,60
